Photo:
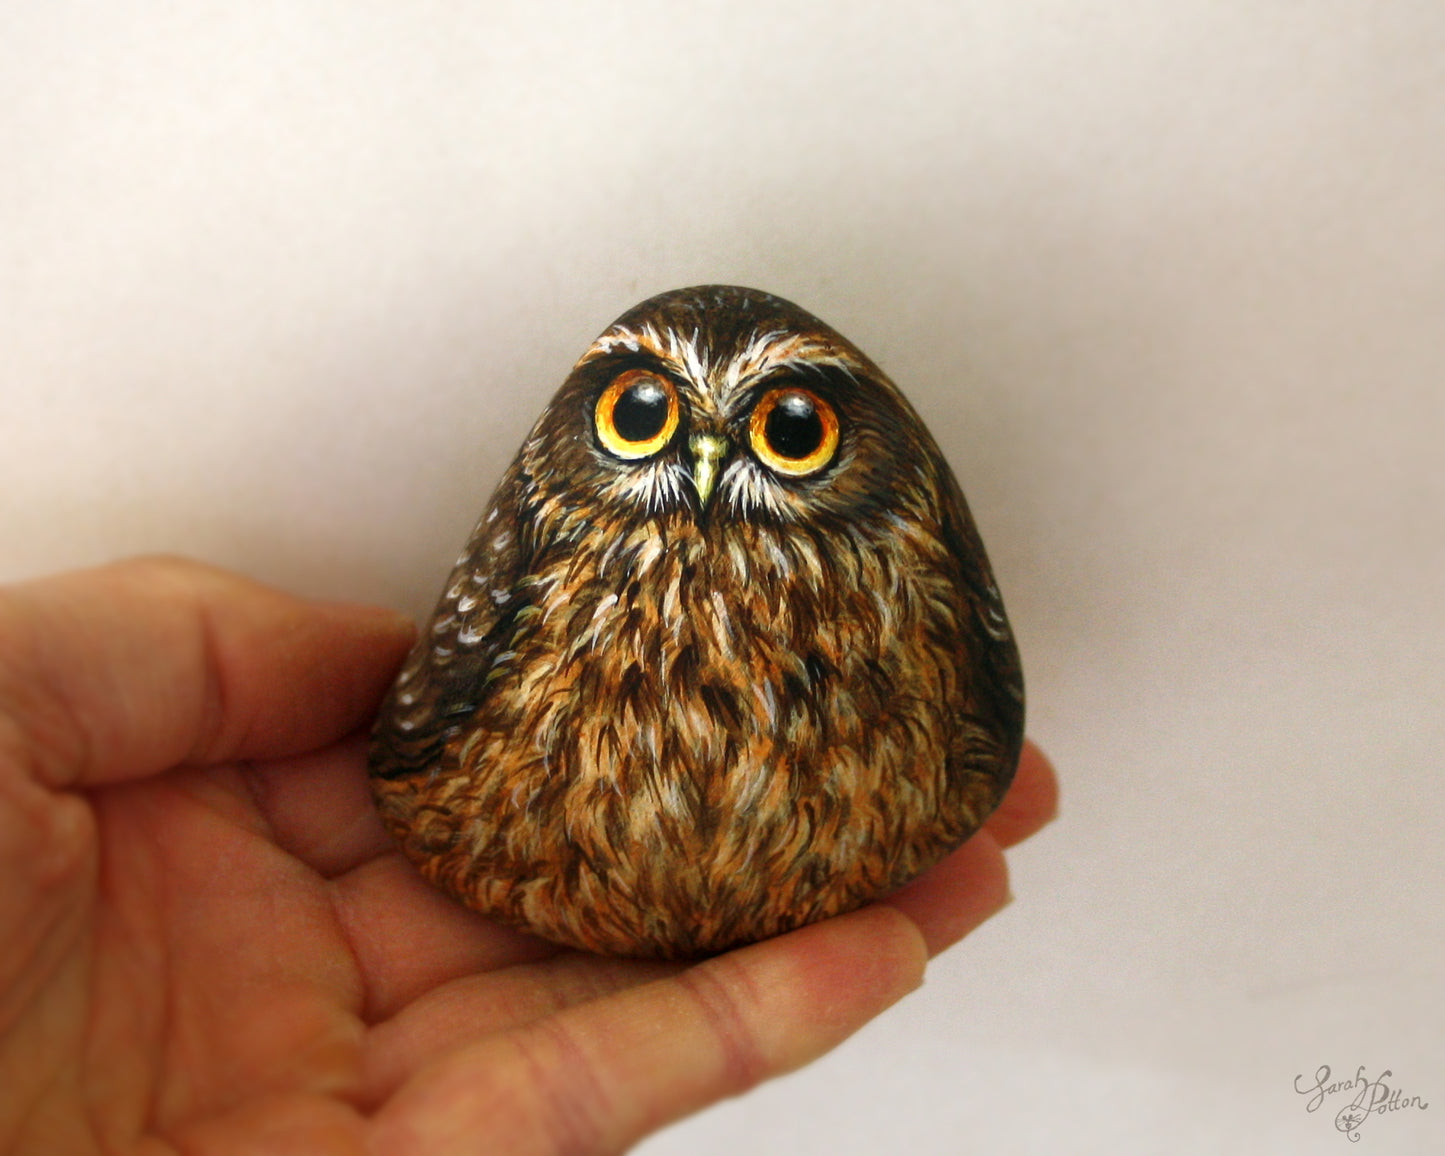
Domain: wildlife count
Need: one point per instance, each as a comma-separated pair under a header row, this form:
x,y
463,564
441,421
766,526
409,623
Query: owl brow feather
x,y
684,355
781,349
766,352
688,353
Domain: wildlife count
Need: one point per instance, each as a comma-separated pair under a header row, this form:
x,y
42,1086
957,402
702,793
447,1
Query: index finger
x,y
137,667
598,1076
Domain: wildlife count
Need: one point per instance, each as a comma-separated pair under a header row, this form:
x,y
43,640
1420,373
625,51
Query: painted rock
x,y
723,656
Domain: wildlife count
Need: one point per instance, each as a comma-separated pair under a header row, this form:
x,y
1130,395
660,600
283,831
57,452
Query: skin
x,y
211,946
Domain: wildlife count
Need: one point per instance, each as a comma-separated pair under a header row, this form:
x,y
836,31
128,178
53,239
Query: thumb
x,y
134,668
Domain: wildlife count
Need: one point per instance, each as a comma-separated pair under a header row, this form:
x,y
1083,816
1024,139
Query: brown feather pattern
x,y
643,724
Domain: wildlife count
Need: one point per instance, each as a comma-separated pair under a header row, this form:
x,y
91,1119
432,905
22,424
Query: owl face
x,y
724,405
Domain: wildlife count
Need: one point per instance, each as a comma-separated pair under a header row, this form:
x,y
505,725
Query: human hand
x,y
211,946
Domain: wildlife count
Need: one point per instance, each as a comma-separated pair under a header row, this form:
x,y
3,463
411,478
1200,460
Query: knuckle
x,y
722,991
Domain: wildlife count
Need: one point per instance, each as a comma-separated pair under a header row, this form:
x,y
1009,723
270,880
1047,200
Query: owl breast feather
x,y
698,735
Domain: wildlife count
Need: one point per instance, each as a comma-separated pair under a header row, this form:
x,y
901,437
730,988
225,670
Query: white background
x,y
283,285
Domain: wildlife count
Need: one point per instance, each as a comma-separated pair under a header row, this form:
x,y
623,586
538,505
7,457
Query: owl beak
x,y
708,451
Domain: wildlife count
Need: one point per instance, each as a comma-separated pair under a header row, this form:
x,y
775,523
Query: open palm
x,y
210,946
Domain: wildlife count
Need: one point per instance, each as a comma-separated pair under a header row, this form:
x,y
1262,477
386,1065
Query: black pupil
x,y
641,411
794,428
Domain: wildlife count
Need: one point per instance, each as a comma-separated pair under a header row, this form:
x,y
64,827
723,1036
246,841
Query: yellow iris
x,y
794,431
636,415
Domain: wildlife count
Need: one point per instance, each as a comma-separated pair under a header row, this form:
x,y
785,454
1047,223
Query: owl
x,y
723,656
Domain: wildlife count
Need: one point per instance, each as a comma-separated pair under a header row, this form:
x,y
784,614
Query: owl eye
x,y
637,414
794,431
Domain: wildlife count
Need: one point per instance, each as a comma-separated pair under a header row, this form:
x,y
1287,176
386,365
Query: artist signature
x,y
1371,1097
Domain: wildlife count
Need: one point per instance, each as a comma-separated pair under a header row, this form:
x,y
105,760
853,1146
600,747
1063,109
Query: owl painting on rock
x,y
723,656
